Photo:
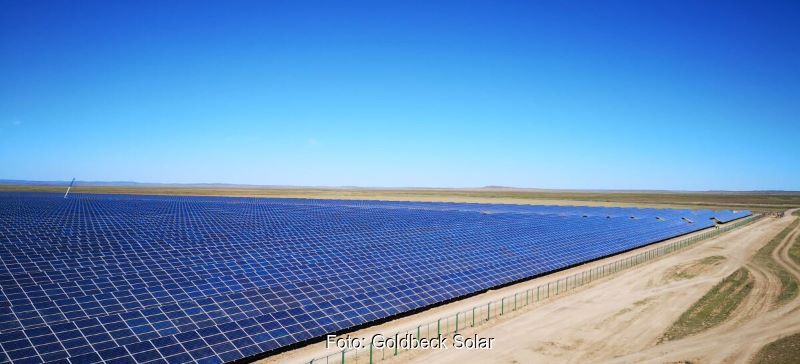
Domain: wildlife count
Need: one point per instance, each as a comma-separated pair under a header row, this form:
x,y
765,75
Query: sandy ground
x,y
580,322
621,319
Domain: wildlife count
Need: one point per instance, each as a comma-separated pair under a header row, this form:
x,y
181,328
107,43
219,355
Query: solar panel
x,y
119,278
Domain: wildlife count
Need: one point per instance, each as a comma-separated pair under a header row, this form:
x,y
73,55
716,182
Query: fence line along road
x,y
491,310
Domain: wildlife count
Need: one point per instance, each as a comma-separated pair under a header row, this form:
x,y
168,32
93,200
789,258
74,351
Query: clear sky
x,y
550,94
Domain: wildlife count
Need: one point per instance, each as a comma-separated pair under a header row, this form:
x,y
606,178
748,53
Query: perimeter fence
x,y
478,315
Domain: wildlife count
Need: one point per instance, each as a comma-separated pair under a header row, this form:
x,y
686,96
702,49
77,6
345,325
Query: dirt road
x,y
621,319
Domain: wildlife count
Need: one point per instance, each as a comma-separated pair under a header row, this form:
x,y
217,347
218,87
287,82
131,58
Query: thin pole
x,y
70,186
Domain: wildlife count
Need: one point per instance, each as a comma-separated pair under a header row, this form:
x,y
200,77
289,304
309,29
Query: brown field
x,y
756,201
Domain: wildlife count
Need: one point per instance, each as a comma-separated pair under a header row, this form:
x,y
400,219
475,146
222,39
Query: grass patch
x,y
794,250
712,260
784,350
763,257
713,308
693,269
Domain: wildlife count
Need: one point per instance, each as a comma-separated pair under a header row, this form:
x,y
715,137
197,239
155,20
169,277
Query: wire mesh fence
x,y
402,341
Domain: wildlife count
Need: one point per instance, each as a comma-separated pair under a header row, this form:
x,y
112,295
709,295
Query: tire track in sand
x,y
755,323
767,285
781,256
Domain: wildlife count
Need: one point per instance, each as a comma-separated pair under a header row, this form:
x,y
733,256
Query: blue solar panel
x,y
115,278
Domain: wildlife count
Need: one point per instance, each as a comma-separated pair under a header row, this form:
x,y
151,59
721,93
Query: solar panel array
x,y
156,279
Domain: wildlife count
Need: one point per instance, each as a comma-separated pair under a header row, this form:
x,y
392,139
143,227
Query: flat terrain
x,y
624,319
756,201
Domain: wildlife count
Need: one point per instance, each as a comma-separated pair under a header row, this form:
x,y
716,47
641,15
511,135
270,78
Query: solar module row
x,y
117,278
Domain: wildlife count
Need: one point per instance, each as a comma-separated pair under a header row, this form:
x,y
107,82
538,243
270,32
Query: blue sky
x,y
547,94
